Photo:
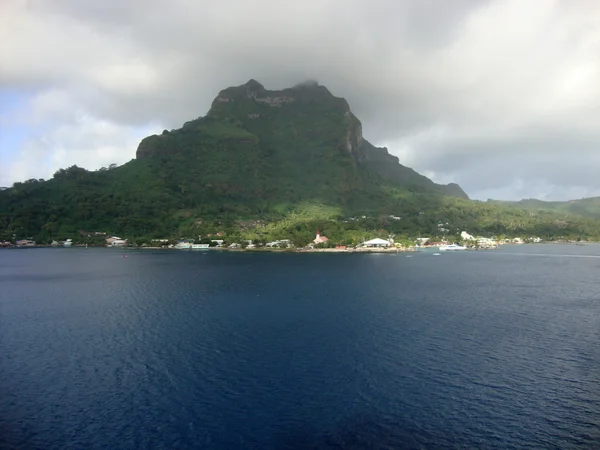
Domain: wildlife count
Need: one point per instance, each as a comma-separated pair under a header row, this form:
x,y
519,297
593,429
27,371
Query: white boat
x,y
200,246
446,248
183,245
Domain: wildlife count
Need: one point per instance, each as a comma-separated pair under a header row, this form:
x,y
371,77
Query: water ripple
x,y
182,350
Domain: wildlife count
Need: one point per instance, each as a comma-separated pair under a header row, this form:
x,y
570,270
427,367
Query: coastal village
x,y
319,244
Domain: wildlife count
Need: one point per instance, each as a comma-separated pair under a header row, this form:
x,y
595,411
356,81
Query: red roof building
x,y
320,239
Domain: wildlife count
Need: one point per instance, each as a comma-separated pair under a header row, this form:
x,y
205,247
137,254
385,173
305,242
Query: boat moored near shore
x,y
451,247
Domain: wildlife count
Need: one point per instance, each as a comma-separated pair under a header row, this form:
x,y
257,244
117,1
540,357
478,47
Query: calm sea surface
x,y
105,348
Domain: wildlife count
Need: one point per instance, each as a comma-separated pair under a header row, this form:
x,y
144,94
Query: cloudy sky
x,y
501,96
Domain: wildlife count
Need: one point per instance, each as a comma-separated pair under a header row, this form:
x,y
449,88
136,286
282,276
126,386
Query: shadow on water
x,y
364,433
79,277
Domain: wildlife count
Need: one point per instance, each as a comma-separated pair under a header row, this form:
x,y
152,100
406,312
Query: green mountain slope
x,y
267,164
587,207
283,146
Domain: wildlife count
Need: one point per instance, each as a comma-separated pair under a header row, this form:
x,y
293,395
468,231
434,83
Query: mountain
x,y
586,207
298,144
261,164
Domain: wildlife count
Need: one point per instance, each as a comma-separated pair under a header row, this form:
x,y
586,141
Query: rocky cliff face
x,y
354,137
309,92
155,145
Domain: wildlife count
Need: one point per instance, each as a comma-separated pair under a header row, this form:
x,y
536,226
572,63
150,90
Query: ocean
x,y
109,348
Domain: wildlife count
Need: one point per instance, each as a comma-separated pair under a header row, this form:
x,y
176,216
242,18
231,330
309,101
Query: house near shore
x,y
376,243
286,243
466,236
115,241
484,242
319,239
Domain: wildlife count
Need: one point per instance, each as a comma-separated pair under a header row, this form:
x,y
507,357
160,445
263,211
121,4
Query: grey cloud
x,y
498,96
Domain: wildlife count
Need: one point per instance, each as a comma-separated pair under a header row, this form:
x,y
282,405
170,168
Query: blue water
x,y
182,349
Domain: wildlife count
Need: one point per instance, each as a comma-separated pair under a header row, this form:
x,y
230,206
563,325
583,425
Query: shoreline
x,y
297,250
250,250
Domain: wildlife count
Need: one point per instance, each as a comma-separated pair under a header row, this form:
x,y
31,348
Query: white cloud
x,y
85,141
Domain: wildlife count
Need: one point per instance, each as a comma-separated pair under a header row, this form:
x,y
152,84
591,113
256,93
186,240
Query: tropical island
x,y
268,166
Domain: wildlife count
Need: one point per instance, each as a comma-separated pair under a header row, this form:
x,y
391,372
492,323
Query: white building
x,y
486,242
115,241
466,236
376,243
281,243
319,239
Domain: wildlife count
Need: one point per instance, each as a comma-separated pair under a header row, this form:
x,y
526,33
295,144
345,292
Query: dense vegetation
x,y
587,207
264,165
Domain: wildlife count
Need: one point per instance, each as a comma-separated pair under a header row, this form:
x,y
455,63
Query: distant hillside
x,y
280,163
586,207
